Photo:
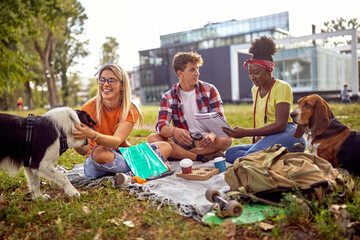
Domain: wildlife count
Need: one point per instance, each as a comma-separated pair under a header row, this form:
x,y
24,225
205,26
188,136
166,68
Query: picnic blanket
x,y
187,197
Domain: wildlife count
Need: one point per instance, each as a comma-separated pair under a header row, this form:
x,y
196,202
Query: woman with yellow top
x,y
115,116
272,101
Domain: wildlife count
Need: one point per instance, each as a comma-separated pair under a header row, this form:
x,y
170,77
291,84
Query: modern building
x,y
304,62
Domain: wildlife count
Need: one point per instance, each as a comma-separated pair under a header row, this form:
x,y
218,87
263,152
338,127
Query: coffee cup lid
x,y
186,163
197,135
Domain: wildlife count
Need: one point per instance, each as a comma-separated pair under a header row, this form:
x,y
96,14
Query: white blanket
x,y
186,196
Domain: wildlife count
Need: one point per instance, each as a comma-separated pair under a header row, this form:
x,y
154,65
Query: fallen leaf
x,y
123,216
265,226
86,210
40,213
114,222
129,223
229,228
98,235
341,214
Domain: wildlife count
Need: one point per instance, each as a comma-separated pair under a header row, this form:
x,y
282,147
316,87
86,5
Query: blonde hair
x,y
125,99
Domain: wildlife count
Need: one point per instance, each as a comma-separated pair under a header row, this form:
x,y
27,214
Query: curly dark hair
x,y
263,48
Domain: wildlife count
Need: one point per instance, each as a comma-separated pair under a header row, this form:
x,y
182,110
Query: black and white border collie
x,y
50,135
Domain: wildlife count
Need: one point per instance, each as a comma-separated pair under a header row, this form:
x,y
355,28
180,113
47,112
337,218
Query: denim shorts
x,y
94,170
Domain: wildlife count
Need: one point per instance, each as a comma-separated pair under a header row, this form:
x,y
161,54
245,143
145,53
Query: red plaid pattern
x,y
171,109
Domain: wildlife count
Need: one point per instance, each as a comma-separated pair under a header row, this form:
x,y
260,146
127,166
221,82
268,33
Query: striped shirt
x,y
207,98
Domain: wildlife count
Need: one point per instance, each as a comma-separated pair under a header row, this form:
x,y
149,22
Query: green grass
x,y
102,212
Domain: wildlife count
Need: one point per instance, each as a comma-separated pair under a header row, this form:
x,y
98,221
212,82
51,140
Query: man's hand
x,y
182,136
235,132
208,139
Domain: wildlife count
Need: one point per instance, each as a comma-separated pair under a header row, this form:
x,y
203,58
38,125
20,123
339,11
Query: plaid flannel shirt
x,y
207,98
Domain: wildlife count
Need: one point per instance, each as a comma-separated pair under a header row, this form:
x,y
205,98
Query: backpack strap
x,y
271,156
243,197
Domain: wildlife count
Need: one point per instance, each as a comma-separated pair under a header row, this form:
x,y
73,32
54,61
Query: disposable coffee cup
x,y
219,163
197,137
186,166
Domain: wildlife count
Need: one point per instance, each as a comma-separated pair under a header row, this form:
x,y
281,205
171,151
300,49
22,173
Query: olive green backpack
x,y
264,175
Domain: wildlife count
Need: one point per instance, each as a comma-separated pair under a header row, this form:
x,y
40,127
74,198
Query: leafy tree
x,y
15,22
70,48
108,50
51,23
340,24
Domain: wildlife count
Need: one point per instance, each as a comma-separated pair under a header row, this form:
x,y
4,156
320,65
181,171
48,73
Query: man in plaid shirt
x,y
180,103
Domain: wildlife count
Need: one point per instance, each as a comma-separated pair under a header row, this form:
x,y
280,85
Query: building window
x,y
296,72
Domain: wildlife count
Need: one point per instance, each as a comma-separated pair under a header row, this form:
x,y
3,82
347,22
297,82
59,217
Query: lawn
x,y
111,213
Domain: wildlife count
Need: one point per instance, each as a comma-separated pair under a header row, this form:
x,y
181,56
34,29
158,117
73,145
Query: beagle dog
x,y
327,137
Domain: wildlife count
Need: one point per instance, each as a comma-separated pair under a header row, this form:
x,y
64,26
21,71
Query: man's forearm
x,y
167,131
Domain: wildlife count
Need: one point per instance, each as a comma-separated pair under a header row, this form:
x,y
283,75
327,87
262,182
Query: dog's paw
x,y
45,196
72,193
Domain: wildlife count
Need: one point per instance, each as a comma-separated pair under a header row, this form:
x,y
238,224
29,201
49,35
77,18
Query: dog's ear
x,y
85,118
90,120
321,119
299,132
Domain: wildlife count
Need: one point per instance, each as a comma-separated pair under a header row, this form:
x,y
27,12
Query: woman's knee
x,y
164,148
103,155
232,154
154,137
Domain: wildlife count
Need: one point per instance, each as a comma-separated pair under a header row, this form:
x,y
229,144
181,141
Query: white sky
x,y
138,24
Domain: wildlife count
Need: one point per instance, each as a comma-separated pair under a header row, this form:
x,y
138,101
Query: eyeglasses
x,y
110,81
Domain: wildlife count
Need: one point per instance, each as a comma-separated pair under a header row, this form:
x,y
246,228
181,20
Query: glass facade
x,y
312,68
229,29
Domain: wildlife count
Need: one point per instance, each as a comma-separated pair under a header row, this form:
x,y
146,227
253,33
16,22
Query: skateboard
x,y
253,212
227,208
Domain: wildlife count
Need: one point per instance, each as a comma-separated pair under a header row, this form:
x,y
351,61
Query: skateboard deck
x,y
200,174
253,212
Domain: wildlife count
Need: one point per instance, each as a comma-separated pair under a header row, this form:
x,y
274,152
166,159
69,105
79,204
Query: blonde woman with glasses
x,y
115,116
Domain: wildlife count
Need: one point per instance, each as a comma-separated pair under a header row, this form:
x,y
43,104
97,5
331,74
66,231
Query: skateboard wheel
x,y
234,208
210,193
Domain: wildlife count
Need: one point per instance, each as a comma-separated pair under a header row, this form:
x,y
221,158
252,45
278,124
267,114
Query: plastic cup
x,y
219,163
186,166
197,137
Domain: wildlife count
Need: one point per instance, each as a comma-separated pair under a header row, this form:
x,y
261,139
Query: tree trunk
x,y
28,94
64,86
3,102
47,60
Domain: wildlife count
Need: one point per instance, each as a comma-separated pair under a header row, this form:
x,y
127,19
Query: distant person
x,y
272,101
19,104
115,116
345,97
180,103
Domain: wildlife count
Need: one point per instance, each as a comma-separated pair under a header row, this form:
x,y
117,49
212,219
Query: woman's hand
x,y
82,131
235,132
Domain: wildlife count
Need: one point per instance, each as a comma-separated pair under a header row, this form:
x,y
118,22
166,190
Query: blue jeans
x,y
94,170
286,139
